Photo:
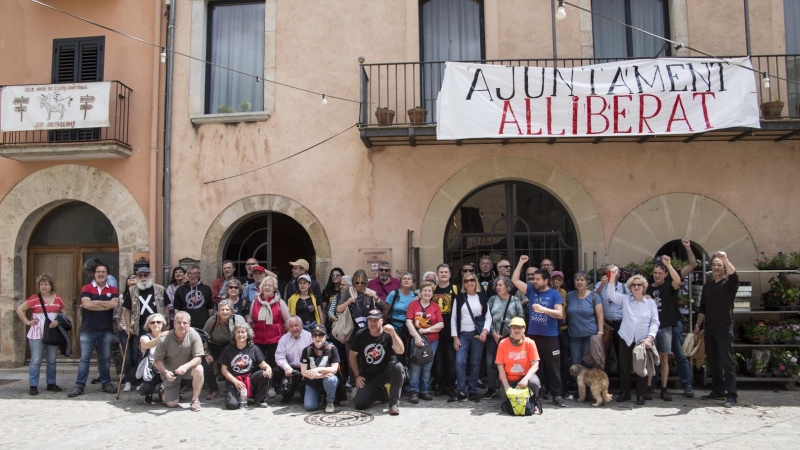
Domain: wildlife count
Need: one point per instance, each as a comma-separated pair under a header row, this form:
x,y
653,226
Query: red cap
x,y
259,269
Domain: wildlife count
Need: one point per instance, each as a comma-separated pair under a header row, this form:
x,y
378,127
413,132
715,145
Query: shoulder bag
x,y
50,336
344,328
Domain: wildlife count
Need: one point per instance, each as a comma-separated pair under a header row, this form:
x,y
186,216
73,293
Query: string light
x,y
561,12
163,55
765,80
324,100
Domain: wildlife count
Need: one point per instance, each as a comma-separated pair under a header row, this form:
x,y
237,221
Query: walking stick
x,y
124,357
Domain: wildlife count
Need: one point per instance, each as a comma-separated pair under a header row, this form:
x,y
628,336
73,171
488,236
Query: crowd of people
x,y
384,338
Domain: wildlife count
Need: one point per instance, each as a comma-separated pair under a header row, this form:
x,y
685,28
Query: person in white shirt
x,y
470,324
287,357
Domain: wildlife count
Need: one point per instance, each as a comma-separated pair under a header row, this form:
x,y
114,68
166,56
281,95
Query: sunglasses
x,y
467,270
233,287
318,335
359,283
471,280
637,285
384,270
504,267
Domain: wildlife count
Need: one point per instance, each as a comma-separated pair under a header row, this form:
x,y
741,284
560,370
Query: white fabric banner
x,y
55,106
625,98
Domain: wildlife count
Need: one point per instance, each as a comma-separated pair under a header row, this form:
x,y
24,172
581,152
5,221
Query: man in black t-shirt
x,y
372,359
663,288
141,301
486,276
319,365
445,358
194,297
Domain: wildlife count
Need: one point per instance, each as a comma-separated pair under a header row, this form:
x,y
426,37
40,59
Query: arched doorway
x,y
508,219
274,239
60,243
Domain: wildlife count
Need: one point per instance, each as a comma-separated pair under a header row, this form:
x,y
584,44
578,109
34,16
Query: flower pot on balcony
x,y
771,110
385,116
417,115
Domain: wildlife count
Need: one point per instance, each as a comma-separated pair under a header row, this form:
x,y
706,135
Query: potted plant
x,y
784,364
761,363
756,331
779,261
417,114
384,115
785,333
772,109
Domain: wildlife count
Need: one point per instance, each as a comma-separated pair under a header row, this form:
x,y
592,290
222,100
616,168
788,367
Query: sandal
x,y
195,405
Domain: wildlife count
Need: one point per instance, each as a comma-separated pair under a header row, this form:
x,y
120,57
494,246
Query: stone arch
x,y
30,200
675,216
510,167
226,222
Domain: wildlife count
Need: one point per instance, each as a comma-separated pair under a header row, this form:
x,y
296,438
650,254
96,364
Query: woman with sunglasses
x,y
585,313
359,300
639,324
220,331
423,318
239,304
469,327
155,324
332,289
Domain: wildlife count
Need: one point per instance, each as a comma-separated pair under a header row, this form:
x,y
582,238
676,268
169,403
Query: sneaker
x,y
640,399
473,397
558,401
480,384
53,388
96,380
263,405
425,396
76,391
394,410
730,402
148,399
34,390
439,391
109,388
127,387
713,396
665,395
414,397
330,408
490,393
271,393
624,397
688,393
461,397
648,393
353,392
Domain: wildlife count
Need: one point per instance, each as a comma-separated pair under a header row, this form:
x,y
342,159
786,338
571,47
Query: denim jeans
x,y
311,398
103,341
37,352
684,368
579,346
419,377
471,347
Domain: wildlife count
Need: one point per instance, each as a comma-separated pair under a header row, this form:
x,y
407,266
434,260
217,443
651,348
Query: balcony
x,y
403,86
81,143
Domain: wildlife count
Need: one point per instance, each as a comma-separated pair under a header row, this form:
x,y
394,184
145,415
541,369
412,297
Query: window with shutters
x,y
77,60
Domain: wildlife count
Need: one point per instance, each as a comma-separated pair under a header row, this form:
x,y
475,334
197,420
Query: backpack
x,y
521,402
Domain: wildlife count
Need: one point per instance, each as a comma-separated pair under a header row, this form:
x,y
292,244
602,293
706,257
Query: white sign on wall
x,y
55,106
625,98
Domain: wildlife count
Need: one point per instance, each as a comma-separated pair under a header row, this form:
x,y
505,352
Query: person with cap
x,y
143,299
385,283
300,267
246,372
304,304
319,365
251,291
518,360
219,288
287,357
373,363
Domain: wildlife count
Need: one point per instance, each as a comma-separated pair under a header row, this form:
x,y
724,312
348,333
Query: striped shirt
x,y
36,313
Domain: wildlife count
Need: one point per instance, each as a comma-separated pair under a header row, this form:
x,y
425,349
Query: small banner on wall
x,y
55,106
624,98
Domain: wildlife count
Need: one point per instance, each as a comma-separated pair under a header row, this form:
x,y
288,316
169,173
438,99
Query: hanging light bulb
x,y
163,55
324,100
561,12
765,80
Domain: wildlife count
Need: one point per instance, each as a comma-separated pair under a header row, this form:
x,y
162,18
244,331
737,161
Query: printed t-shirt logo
x,y
194,299
445,302
538,317
241,363
374,353
422,322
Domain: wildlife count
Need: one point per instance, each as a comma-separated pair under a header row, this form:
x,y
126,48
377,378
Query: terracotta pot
x,y
384,116
417,115
771,110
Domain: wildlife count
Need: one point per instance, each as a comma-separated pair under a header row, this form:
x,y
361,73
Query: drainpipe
x,y
171,4
747,26
153,188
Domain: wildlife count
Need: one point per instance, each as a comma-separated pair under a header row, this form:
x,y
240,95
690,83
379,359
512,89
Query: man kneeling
x,y
372,360
239,361
319,365
518,360
177,358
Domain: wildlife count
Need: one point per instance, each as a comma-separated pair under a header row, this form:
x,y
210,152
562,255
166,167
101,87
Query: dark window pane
x,y
74,223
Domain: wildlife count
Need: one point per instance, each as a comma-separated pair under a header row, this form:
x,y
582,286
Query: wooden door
x,y
62,265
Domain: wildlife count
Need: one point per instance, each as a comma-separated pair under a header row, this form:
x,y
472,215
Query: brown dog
x,y
595,379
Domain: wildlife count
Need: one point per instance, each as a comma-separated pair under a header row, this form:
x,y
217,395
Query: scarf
x,y
265,312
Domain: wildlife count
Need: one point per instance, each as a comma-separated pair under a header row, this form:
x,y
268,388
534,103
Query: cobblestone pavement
x,y
768,416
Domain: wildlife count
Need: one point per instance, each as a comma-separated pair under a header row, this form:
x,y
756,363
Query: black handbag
x,y
50,336
421,355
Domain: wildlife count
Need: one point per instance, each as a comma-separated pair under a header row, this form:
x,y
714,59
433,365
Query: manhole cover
x,y
339,419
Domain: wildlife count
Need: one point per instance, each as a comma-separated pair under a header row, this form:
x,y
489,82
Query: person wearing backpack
x,y
517,362
396,306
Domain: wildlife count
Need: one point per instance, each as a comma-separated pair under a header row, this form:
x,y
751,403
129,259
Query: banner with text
x,y
55,106
624,98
